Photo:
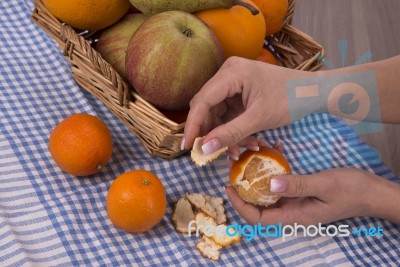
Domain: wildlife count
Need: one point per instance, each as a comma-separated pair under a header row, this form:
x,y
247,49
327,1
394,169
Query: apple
x,y
170,57
114,40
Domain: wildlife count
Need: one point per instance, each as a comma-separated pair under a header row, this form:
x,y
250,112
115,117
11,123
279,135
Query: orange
x,y
88,14
267,57
251,175
274,12
136,201
239,32
81,144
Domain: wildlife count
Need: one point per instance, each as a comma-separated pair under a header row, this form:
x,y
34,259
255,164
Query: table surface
x,y
48,217
366,25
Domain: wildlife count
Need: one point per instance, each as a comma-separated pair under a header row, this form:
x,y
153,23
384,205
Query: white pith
x,y
272,167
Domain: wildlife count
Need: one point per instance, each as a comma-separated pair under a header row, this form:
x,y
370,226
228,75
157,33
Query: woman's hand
x,y
324,197
244,97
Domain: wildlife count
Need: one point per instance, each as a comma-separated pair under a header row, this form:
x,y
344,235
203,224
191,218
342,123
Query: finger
x,y
278,146
262,142
276,216
230,163
234,152
233,131
250,142
247,211
299,186
302,211
223,85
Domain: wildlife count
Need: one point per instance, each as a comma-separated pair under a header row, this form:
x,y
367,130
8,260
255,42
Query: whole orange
x,y
88,14
267,56
274,12
239,32
81,144
136,201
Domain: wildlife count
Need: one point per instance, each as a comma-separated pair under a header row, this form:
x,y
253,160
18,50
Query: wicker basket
x,y
160,135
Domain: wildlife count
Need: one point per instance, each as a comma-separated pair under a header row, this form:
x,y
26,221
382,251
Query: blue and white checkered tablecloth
x,y
49,218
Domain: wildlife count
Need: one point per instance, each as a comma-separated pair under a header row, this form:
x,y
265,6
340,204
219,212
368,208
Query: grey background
x,y
367,25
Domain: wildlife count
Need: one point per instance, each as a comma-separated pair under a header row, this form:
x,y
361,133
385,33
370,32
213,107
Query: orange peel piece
x,y
199,158
209,249
183,214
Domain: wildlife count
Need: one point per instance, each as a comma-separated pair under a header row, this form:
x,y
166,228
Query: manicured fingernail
x,y
278,186
211,146
233,157
254,148
183,144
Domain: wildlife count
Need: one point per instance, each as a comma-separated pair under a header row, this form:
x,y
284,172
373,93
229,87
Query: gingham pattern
x,y
49,218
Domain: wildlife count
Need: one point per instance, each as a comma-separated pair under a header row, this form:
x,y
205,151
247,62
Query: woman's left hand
x,y
324,197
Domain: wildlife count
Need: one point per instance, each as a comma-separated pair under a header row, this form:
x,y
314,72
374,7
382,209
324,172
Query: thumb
x,y
229,133
298,185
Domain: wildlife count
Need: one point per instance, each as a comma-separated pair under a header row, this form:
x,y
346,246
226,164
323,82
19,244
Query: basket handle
x,y
75,42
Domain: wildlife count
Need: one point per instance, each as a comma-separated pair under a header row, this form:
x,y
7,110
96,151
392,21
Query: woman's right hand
x,y
243,97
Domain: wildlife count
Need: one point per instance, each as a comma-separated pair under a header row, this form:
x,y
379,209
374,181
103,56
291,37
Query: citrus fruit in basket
x,y
274,12
267,57
252,173
136,201
88,14
239,31
81,144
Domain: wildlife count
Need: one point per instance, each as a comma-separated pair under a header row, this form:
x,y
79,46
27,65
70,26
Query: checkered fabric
x,y
49,218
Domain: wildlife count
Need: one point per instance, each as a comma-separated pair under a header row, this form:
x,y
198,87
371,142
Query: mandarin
x,y
274,12
267,56
136,201
81,144
88,14
251,175
239,32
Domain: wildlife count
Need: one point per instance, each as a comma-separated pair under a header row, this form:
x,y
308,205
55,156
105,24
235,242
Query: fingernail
x,y
211,146
233,157
183,144
278,186
254,148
